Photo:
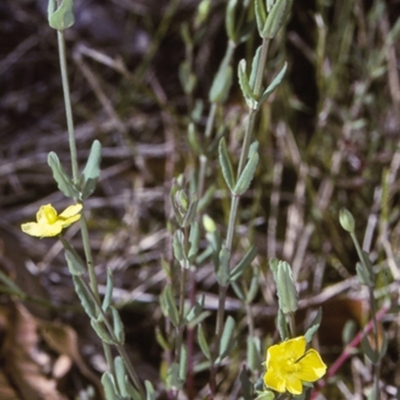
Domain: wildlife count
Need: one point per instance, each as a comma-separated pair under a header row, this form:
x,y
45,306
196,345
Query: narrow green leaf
x,y
314,326
270,4
177,212
161,340
173,380
254,285
247,175
239,291
195,311
150,392
201,339
230,20
273,85
133,393
178,244
194,240
384,346
193,140
247,91
366,261
221,84
261,15
273,264
371,353
109,289
74,262
91,172
253,148
201,317
286,288
110,389
227,337
247,259
363,275
202,14
118,326
254,67
171,309
183,363
226,165
187,78
102,333
254,361
61,18
349,331
86,300
63,181
191,212
120,374
266,395
275,19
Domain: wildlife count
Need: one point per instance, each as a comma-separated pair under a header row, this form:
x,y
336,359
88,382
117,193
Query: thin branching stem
x,y
235,201
243,158
373,305
67,103
93,289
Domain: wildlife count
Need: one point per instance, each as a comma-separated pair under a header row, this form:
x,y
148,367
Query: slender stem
x,y
252,113
67,102
120,348
211,120
372,301
292,324
235,202
88,255
93,289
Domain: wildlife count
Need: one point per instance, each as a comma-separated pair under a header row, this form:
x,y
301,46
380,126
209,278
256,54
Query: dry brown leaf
x,y
21,354
7,392
63,339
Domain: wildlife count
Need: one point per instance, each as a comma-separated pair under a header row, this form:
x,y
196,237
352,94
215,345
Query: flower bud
x,y
346,220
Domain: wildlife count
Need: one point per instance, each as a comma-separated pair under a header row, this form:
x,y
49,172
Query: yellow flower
x,y
289,365
49,223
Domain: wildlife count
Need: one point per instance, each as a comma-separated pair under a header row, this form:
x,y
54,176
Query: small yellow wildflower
x,y
49,223
289,365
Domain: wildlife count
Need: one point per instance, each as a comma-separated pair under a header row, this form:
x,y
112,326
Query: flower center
x,y
291,366
51,215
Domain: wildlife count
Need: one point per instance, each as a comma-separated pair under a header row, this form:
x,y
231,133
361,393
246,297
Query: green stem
x,y
88,255
211,120
67,102
292,324
120,348
235,199
83,223
372,301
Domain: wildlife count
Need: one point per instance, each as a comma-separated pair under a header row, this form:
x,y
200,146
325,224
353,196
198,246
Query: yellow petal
x,y
295,348
69,221
31,228
274,380
46,214
71,211
294,384
290,350
311,367
41,230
